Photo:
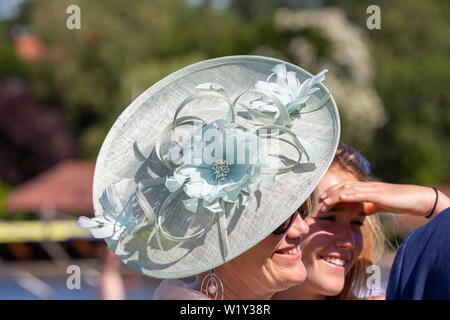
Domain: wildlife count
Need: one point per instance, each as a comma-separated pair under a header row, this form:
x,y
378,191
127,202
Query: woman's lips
x,y
290,253
334,262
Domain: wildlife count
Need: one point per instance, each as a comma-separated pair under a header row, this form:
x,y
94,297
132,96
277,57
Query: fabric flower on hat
x,y
212,178
117,217
287,88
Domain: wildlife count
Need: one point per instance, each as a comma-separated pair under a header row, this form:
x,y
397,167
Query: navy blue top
x,y
421,268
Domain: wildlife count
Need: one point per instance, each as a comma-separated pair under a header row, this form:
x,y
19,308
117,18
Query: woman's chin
x,y
296,275
331,289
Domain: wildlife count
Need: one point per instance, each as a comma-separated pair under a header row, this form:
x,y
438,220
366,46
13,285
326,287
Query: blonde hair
x,y
353,162
310,204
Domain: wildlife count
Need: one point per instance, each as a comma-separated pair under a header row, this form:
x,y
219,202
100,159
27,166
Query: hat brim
x,y
247,225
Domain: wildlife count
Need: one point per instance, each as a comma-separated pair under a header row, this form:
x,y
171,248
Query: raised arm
x,y
380,196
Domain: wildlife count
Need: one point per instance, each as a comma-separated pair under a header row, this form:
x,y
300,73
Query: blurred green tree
x,y
411,53
124,47
121,50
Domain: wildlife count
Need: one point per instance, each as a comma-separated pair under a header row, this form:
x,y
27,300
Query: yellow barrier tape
x,y
35,231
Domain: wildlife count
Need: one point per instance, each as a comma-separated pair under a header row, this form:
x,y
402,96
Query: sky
x,y
9,9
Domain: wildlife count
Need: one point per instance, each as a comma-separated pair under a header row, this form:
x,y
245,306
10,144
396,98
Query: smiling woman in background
x,y
343,241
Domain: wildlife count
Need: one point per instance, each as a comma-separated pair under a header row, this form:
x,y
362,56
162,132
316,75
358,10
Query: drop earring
x,y
212,286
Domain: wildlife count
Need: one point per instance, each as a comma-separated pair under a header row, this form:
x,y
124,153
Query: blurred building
x,y
57,197
66,188
36,252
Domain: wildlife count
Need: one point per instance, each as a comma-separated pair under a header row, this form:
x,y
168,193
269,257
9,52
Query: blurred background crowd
x,y
61,90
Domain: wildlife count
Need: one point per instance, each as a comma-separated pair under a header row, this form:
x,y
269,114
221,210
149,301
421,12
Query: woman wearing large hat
x,y
210,171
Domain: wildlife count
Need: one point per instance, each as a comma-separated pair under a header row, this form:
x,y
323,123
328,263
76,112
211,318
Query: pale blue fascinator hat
x,y
209,161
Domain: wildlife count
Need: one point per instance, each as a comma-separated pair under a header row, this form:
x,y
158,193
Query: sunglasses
x,y
285,225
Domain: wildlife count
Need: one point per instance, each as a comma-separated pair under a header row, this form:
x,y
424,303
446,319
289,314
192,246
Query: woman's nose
x,y
298,227
345,238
